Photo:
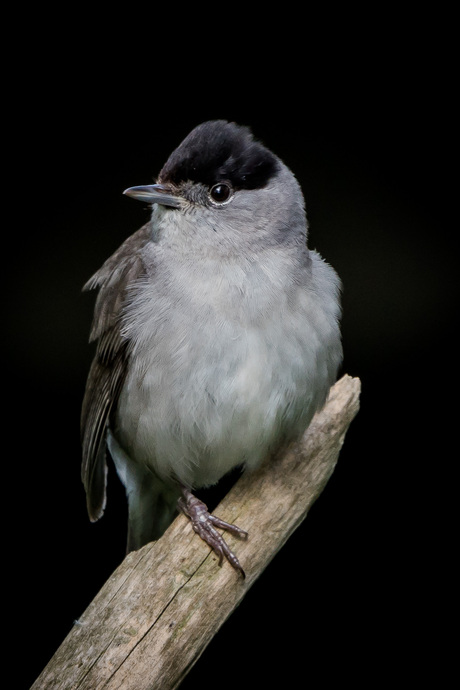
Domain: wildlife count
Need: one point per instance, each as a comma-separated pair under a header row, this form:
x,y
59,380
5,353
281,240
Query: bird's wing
x,y
108,368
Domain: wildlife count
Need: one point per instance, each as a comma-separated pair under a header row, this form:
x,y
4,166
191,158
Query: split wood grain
x,y
156,614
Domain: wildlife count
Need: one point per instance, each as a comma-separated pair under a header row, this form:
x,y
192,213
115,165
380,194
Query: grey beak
x,y
154,194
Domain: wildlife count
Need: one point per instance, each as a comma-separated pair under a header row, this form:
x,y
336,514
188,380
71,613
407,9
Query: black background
x,y
363,116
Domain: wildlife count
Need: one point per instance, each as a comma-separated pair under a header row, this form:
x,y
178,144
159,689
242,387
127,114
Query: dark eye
x,y
221,192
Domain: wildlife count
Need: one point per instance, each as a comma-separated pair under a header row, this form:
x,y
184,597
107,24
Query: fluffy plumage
x,y
217,331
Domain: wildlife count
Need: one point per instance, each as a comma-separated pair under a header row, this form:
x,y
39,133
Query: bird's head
x,y
224,180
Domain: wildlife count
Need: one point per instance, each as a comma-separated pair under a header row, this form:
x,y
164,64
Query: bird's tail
x,y
152,505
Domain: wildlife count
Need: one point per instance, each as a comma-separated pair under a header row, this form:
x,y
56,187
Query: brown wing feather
x,y
108,369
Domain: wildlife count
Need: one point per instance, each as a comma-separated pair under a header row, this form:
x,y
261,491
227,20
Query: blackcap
x,y
217,334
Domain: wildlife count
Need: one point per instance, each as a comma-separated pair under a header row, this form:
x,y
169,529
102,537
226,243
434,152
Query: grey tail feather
x,y
150,514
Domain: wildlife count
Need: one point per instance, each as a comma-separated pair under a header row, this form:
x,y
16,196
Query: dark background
x,y
364,119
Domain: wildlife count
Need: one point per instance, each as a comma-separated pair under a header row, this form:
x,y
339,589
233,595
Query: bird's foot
x,y
205,524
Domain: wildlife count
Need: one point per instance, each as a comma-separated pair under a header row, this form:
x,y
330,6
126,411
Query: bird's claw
x,y
205,525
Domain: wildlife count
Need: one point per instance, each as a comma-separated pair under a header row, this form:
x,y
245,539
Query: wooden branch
x,y
155,615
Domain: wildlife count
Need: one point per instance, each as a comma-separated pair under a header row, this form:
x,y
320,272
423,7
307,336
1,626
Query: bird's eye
x,y
221,192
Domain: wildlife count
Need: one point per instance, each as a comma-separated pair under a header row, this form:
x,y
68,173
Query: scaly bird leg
x,y
205,526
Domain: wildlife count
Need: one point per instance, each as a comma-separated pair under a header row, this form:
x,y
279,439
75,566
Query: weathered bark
x,y
155,615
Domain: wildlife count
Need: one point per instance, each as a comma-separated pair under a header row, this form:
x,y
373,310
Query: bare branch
x,y
155,615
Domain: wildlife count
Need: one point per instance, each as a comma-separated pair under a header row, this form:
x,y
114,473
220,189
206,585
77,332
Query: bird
x,y
217,335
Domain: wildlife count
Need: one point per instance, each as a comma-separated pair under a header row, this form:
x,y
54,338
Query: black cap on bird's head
x,y
218,150
213,151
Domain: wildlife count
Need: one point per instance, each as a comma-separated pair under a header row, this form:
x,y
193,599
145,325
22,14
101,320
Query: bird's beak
x,y
154,194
